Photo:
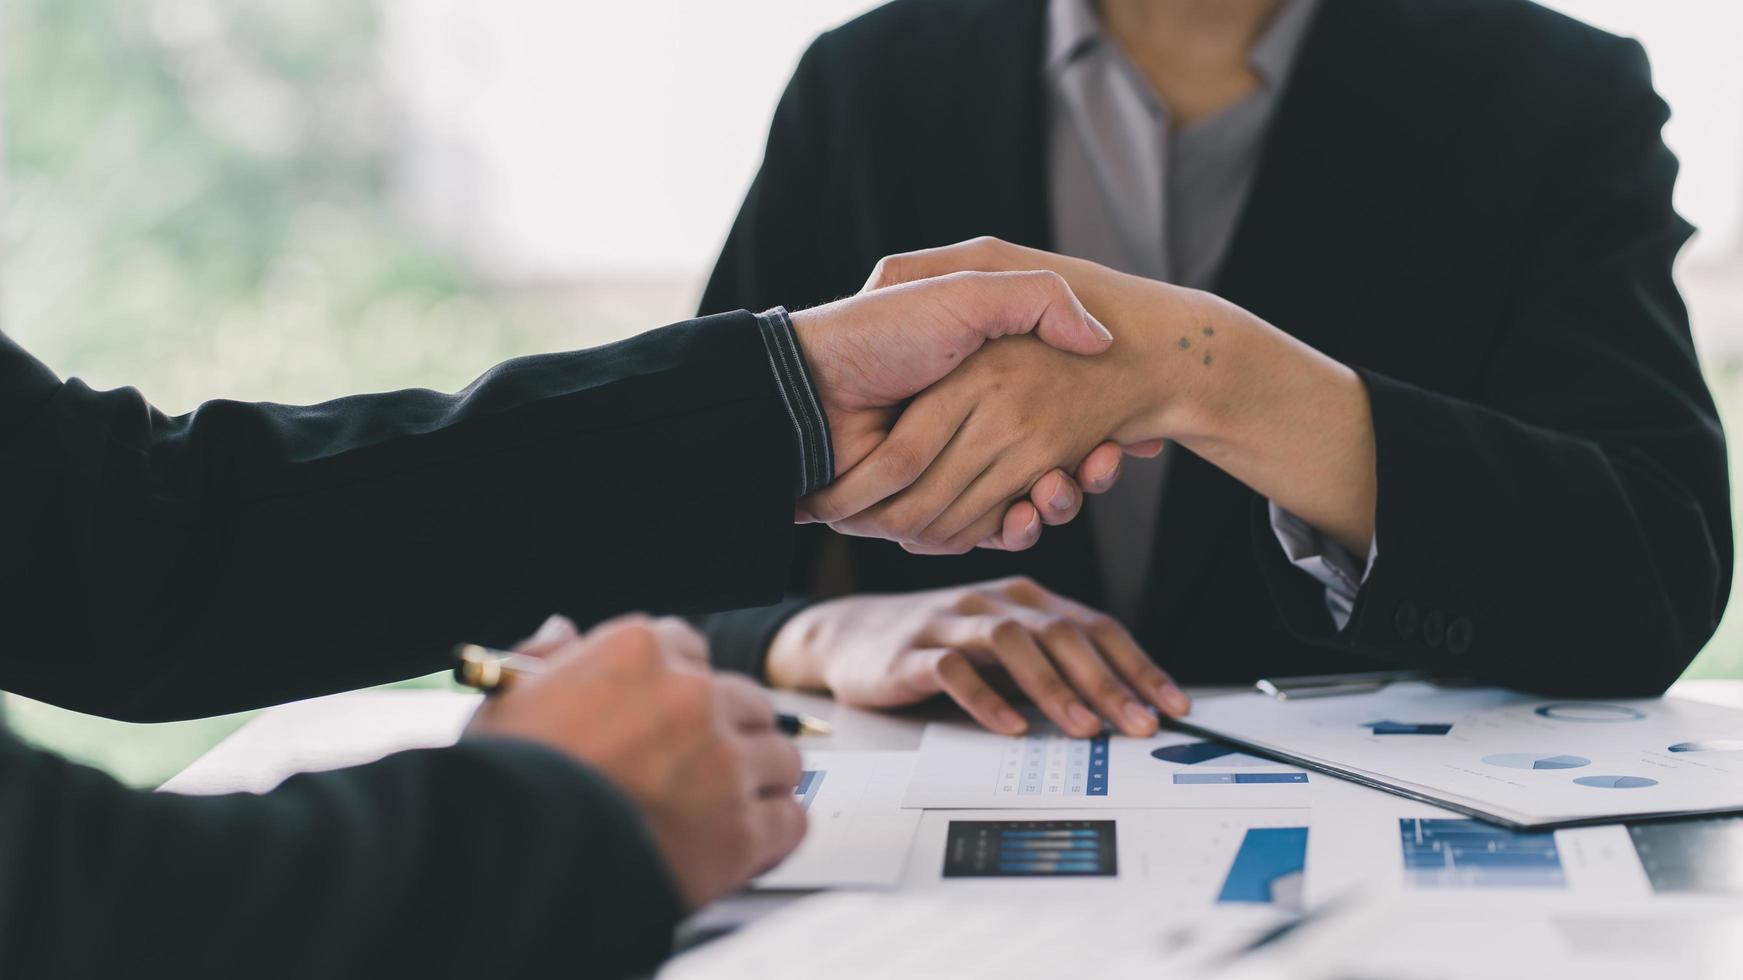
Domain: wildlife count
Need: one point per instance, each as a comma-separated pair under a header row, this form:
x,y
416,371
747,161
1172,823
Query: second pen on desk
x,y
484,669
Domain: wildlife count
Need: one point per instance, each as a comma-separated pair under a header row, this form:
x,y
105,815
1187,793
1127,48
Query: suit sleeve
x,y
773,253
490,858
1571,530
245,554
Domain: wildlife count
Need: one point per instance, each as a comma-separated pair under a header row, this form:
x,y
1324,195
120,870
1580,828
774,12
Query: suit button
x,y
1459,634
1433,629
1406,619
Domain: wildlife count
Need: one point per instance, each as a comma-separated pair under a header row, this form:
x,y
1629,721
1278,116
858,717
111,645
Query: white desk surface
x,y
352,729
362,726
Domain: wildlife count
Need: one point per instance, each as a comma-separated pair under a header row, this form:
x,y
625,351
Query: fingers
x,y
1115,642
974,511
1100,470
920,435
771,764
1057,497
1147,449
550,637
1063,322
679,643
1086,668
780,823
951,672
984,253
1015,650
743,705
681,640
1020,529
1135,666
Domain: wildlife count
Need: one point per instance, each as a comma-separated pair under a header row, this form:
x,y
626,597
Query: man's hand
x,y
872,352
976,643
698,752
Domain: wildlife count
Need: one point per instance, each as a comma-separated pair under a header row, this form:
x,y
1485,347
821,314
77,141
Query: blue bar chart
x,y
1457,853
1030,849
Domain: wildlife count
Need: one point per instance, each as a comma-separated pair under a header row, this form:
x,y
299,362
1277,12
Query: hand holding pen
x,y
487,670
699,753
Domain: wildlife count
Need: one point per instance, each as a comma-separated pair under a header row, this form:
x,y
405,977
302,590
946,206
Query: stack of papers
x,y
1523,761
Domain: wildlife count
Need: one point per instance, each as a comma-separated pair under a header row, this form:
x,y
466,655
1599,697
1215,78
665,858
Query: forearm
x,y
1284,419
248,554
389,868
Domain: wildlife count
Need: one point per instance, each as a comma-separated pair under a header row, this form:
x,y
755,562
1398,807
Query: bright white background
x,y
555,140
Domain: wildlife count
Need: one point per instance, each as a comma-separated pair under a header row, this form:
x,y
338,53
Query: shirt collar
x,y
1074,29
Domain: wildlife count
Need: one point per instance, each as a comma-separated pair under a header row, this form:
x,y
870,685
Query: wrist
x,y
1185,346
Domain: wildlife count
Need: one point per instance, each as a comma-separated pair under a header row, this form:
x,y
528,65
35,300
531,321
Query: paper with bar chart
x,y
1523,760
1191,858
964,766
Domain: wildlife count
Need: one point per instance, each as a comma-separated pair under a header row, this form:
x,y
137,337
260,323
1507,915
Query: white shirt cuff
x,y
1331,564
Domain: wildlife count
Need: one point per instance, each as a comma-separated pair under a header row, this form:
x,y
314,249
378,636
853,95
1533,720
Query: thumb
x,y
1064,323
1040,302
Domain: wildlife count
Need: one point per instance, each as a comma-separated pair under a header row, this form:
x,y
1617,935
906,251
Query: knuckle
x,y
985,245
826,508
974,601
1006,632
949,666
1017,585
899,462
634,647
1052,282
885,271
1101,624
1057,629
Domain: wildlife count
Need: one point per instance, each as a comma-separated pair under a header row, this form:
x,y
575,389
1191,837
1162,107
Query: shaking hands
x,y
871,353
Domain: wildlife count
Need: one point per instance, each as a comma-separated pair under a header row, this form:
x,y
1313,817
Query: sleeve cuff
x,y
1329,563
793,378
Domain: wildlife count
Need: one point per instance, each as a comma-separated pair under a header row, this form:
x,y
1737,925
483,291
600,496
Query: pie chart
x,y
1710,745
1536,760
1616,782
1595,711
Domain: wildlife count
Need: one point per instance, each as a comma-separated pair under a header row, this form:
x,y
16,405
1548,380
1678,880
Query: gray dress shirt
x,y
1131,191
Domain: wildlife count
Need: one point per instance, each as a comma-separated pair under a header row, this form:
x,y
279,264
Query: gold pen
x,y
487,670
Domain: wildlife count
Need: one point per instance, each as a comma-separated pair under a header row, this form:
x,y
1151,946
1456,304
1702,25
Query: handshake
x,y
943,446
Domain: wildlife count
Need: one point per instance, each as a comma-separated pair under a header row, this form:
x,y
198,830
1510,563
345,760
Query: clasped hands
x,y
972,398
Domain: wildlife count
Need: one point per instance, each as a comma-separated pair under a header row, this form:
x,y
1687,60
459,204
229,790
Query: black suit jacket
x,y
158,568
1468,201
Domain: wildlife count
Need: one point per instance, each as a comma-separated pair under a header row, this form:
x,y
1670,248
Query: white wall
x,y
560,139
552,139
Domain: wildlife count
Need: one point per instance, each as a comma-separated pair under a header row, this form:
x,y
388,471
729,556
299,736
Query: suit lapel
x,y
1357,141
992,143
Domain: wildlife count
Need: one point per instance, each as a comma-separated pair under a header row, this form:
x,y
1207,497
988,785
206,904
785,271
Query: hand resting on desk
x,y
880,651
